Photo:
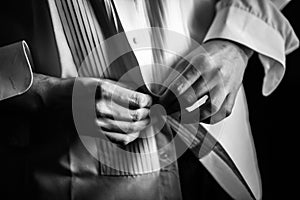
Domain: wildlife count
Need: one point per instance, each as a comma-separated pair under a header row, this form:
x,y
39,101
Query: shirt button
x,y
134,40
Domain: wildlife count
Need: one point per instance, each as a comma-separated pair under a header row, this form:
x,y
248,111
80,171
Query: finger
x,y
181,83
122,126
195,93
112,110
225,110
199,66
209,108
198,90
124,96
119,138
175,71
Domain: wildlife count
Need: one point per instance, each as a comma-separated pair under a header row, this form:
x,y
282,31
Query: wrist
x,y
247,51
243,50
59,93
37,95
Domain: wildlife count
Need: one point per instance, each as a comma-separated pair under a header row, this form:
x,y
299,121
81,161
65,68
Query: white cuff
x,y
242,26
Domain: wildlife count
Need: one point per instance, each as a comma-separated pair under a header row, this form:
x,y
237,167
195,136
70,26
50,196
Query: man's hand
x,y
121,112
216,69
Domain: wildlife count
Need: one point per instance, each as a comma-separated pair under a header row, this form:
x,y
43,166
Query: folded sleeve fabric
x,y
15,70
280,4
260,26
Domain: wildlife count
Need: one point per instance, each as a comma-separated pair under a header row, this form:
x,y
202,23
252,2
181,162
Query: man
x,y
54,31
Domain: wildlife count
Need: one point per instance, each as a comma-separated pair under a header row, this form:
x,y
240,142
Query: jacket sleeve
x,y
260,26
15,70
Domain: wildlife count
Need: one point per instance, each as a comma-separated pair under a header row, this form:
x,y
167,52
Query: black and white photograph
x,y
149,99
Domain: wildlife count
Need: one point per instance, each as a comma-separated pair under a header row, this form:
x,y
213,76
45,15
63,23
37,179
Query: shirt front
x,y
150,29
80,26
147,170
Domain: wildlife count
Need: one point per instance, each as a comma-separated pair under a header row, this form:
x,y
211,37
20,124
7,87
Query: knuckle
x,y
103,109
193,71
134,115
180,86
147,100
134,98
99,106
201,62
102,86
140,99
105,92
191,97
101,125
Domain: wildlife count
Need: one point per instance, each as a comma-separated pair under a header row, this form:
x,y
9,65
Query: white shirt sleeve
x,y
260,26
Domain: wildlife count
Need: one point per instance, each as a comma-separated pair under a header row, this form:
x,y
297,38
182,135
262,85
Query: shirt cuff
x,y
15,70
280,4
242,26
